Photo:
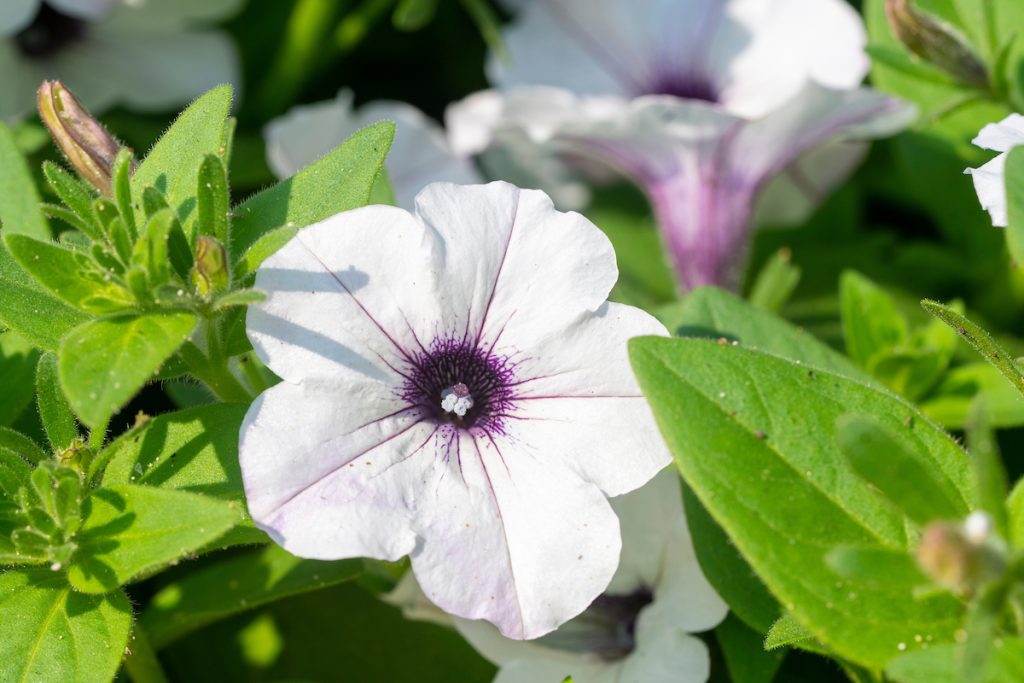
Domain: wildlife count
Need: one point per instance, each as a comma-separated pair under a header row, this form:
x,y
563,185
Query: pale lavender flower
x,y
420,154
148,55
990,179
703,103
374,319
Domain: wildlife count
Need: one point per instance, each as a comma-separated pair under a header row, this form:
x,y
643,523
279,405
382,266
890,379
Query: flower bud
x,y
936,42
958,558
77,456
210,274
82,139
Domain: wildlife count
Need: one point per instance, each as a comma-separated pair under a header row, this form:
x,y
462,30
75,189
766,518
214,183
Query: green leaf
x,y
29,310
871,321
988,466
340,181
939,664
131,530
231,586
981,340
213,199
76,195
17,365
58,420
412,15
22,446
61,271
950,402
19,200
1015,514
727,571
717,314
903,475
1014,178
104,362
14,473
787,632
753,436
54,634
172,166
775,282
121,185
745,657
879,566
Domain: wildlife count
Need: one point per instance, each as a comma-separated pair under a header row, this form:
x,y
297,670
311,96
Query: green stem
x,y
97,435
252,372
142,664
212,368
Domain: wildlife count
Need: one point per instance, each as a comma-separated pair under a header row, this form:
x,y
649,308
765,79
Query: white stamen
x,y
978,527
456,399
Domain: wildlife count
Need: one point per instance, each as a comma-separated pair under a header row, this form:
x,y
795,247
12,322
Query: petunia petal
x,y
419,155
578,397
83,9
312,466
343,304
550,266
1002,136
516,539
665,655
16,15
990,185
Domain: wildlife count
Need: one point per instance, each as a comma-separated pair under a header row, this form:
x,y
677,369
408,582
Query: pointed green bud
x,y
210,274
83,140
937,43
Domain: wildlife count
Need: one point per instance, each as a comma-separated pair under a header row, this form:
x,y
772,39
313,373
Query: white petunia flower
x,y
637,630
141,53
419,155
989,180
703,103
373,318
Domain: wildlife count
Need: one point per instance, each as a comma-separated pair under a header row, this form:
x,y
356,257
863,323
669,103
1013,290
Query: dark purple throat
x,y
460,367
49,33
686,86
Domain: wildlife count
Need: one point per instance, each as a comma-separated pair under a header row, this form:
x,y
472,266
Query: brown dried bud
x,y
82,139
937,43
210,274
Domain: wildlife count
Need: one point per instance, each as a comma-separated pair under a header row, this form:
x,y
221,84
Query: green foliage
x,y
130,530
58,420
17,365
235,585
104,362
940,665
759,448
745,658
339,181
19,200
1014,171
52,633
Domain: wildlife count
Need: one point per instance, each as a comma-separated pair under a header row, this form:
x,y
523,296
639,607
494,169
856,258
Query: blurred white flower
x,y
989,180
373,318
145,54
703,103
637,631
419,155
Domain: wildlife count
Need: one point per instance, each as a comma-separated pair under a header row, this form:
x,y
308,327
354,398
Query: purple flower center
x,y
49,33
689,86
457,381
607,628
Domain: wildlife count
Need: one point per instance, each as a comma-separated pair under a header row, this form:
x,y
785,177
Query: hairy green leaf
x,y
22,446
340,181
130,530
54,411
29,310
235,585
104,362
754,436
17,364
172,166
939,664
52,633
19,200
745,656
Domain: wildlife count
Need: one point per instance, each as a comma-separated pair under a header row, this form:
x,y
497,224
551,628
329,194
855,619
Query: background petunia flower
x,y
989,180
420,154
703,104
374,319
637,630
146,55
